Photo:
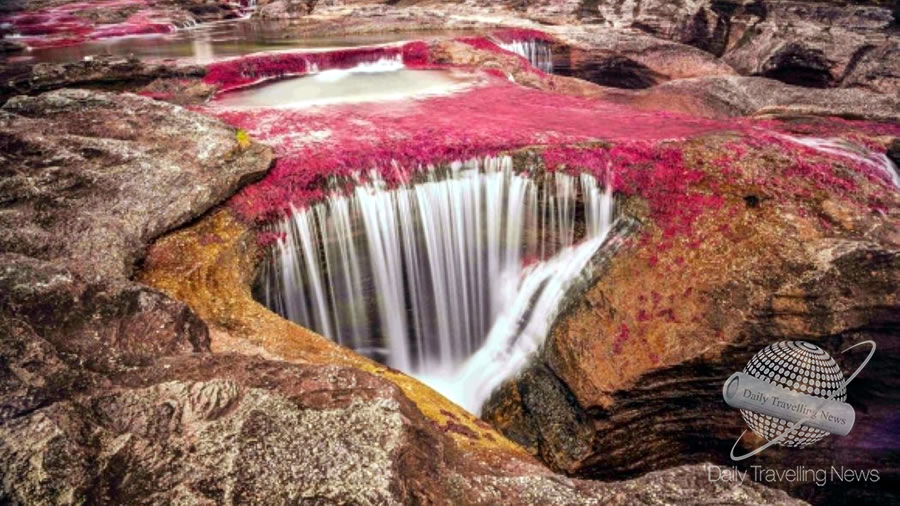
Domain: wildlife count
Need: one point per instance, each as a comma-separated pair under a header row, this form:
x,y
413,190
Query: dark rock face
x,y
817,44
89,178
615,71
625,59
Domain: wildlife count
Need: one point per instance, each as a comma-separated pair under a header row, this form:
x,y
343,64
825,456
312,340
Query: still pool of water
x,y
214,41
376,82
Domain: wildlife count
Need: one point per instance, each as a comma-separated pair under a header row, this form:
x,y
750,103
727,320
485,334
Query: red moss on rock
x,y
318,147
344,141
61,25
416,54
254,69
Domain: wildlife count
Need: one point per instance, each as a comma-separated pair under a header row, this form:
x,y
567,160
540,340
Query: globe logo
x,y
792,394
799,367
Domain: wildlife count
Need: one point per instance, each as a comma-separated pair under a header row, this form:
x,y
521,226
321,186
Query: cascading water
x,y
838,147
535,51
383,79
443,279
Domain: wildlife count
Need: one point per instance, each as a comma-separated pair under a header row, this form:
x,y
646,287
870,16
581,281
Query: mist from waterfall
x,y
454,279
535,51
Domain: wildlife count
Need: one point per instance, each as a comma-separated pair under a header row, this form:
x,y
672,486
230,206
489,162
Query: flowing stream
x,y
535,51
385,79
838,147
454,279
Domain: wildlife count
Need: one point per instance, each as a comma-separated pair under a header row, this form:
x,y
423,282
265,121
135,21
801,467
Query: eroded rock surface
x,y
631,377
731,96
109,391
231,429
90,177
96,72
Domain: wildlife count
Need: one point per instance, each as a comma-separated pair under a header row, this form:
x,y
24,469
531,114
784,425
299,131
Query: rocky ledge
x,y
136,367
111,392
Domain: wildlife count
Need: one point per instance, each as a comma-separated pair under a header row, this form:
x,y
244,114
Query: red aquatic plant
x,y
323,149
247,70
71,23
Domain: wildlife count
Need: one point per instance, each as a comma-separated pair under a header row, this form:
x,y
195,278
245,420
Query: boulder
x,y
90,177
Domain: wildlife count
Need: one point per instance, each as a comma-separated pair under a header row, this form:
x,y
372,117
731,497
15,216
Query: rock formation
x,y
631,377
749,139
110,393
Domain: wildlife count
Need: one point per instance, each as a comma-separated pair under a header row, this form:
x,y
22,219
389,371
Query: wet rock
x,y
93,72
109,173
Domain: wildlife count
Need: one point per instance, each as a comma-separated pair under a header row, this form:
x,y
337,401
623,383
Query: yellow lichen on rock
x,y
243,138
210,266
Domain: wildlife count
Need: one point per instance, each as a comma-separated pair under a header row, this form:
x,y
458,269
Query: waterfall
x,y
535,51
390,63
433,277
839,147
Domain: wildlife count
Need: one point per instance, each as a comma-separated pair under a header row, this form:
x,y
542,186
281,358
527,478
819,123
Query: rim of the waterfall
x,y
528,156
532,157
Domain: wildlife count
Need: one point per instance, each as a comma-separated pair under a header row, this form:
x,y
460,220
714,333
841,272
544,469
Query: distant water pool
x,y
213,41
384,80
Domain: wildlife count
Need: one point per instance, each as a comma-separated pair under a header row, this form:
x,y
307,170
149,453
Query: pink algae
x,y
346,140
637,152
62,25
249,70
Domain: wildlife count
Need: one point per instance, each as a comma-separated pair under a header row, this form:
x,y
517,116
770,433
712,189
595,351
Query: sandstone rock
x,y
626,59
817,44
285,9
98,71
229,429
108,173
630,379
727,96
109,393
114,398
821,46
